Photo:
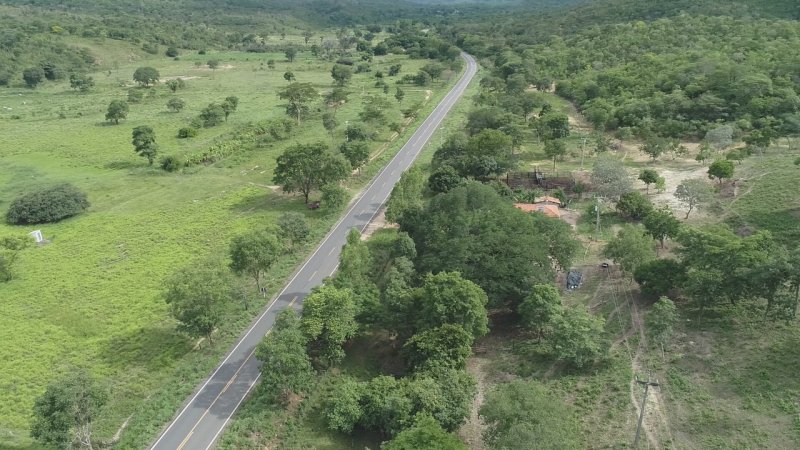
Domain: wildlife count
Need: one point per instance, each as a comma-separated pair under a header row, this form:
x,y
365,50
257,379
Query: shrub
x,y
171,163
47,205
187,132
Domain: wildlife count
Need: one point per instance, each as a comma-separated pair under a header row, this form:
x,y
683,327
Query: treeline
x,y
676,76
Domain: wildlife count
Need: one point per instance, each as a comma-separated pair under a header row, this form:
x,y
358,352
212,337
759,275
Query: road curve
x,y
198,425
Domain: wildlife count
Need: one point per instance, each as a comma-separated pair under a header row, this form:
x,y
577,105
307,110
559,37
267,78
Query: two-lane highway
x,y
206,413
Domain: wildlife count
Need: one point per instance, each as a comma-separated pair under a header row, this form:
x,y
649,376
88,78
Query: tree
x,y
609,177
290,53
648,177
176,84
660,277
577,337
341,74
328,322
172,51
661,185
720,137
336,98
47,205
630,248
661,321
344,410
334,195
554,149
176,104
144,143
289,76
298,95
254,253
444,178
447,298
406,196
117,110
634,205
552,126
307,35
329,122
356,152
661,224
64,413
399,95
523,412
693,192
446,346
424,434
704,153
145,76
81,82
721,169
539,309
10,247
654,147
212,115
285,366
197,296
33,76
293,228
229,105
213,64
306,167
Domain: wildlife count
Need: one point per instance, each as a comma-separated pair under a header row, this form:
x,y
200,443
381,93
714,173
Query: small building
x,y
548,209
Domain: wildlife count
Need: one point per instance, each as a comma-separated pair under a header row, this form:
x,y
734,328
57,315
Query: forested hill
x,y
675,68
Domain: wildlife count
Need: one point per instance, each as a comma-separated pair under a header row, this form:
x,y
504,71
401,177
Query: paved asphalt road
x,y
206,413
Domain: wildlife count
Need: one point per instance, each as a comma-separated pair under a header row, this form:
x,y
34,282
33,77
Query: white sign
x,y
37,235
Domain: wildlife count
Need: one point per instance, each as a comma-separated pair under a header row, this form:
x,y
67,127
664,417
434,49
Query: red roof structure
x,y
547,209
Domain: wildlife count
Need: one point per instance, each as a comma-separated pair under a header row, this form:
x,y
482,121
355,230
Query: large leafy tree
x,y
341,74
254,253
328,322
146,76
425,434
661,321
144,142
63,415
578,337
306,167
406,196
693,192
447,298
117,110
721,170
446,346
540,308
660,277
285,366
661,224
630,248
610,178
635,205
293,228
298,95
197,296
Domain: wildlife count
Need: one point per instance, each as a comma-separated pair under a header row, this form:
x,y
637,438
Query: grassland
x,y
92,297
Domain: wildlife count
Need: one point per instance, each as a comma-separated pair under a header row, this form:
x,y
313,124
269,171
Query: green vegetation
x,y
47,205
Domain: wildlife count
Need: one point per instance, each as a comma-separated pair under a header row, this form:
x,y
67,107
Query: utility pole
x,y
582,147
597,220
647,385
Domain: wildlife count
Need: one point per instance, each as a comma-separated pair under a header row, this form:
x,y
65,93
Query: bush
x,y
171,163
47,205
187,132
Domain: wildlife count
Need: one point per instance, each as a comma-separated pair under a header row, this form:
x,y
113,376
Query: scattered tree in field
x,y
33,76
328,322
609,177
336,98
720,170
10,247
285,366
634,205
293,228
212,115
394,69
298,95
229,105
47,205
172,51
720,138
446,346
254,253
654,147
333,195
176,84
290,53
196,296
289,76
145,76
737,155
176,104
552,126
341,74
399,95
356,152
425,434
661,185
555,149
539,309
704,153
187,132
661,224
329,122
660,277
577,337
693,192
63,415
523,412
306,167
81,82
661,321
648,177
144,143
117,110
213,64
630,248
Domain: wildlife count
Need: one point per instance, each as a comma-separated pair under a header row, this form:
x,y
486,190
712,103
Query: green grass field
x,y
92,297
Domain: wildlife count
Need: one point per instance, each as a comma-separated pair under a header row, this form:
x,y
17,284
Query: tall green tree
x,y
298,95
117,110
661,224
293,228
721,170
285,366
306,167
447,298
341,74
197,296
425,434
144,143
356,152
578,337
630,248
146,76
661,321
648,177
610,178
254,253
540,308
446,346
555,148
329,320
693,193
406,196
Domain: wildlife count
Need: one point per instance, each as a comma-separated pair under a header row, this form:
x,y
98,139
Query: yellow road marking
x,y
293,300
185,440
